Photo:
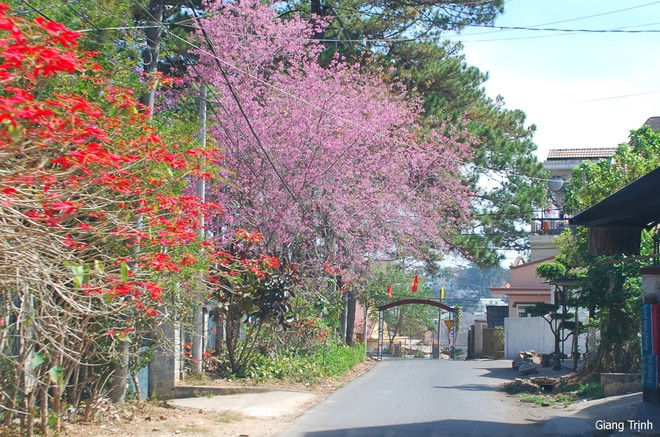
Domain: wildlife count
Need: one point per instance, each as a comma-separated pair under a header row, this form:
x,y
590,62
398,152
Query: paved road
x,y
402,397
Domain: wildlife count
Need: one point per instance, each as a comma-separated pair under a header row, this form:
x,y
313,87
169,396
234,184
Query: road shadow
x,y
509,373
463,428
471,387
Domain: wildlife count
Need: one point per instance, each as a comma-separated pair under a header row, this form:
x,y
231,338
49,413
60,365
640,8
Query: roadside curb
x,y
195,391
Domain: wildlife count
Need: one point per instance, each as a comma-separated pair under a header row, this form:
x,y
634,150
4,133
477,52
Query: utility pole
x,y
154,34
197,351
150,62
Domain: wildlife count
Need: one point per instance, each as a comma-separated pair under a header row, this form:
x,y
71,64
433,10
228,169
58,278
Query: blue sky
x,y
572,85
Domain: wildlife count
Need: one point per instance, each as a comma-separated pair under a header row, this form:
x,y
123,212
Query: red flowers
x,y
252,237
58,32
415,284
161,262
92,176
270,262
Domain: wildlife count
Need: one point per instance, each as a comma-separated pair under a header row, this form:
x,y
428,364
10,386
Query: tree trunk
x,y
136,382
120,376
351,306
219,332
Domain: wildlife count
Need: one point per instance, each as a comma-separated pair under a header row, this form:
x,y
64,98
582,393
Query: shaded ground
x,y
221,418
227,418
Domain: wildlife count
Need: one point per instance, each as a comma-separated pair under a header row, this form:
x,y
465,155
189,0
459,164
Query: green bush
x,y
325,361
589,391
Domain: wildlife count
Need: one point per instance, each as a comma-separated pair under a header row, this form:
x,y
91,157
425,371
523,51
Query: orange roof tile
x,y
589,153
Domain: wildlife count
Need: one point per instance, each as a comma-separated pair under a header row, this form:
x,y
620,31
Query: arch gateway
x,y
381,318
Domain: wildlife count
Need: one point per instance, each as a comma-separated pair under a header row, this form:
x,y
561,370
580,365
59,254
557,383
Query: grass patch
x,y
570,394
529,398
591,390
226,416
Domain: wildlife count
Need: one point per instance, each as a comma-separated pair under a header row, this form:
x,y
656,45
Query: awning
x,y
635,205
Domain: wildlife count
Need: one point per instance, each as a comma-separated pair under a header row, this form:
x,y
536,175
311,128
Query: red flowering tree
x,y
252,291
92,223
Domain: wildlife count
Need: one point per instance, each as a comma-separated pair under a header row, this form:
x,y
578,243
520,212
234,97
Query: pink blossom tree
x,y
329,163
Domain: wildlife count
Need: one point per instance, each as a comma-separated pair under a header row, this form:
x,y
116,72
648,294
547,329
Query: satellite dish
x,y
556,183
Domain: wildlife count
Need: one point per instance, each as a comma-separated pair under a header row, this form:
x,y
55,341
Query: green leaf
x,y
56,374
123,269
52,419
98,267
80,274
124,338
37,359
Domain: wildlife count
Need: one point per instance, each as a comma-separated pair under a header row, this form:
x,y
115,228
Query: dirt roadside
x,y
164,419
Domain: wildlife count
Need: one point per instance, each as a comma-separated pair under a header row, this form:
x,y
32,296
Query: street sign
x,y
450,324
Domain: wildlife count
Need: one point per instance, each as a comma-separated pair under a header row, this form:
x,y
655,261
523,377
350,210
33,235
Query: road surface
x,y
413,397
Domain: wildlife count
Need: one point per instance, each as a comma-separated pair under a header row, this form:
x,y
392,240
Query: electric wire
x,y
244,115
220,61
235,97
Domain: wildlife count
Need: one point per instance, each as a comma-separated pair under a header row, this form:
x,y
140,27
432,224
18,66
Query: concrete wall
x,y
479,326
615,384
526,333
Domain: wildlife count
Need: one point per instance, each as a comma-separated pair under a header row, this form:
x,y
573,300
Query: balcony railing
x,y
550,226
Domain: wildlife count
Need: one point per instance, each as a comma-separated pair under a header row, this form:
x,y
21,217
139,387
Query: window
x,y
521,310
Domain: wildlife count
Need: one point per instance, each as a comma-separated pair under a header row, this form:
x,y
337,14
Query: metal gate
x,y
381,318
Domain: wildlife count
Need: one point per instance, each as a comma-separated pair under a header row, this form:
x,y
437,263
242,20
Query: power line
x,y
244,115
100,29
220,61
576,18
365,41
38,11
551,29
617,97
597,15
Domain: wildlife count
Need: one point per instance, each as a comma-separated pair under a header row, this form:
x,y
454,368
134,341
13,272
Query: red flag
x,y
415,284
389,291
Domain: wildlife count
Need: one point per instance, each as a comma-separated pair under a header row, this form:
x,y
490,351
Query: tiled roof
x,y
591,153
653,122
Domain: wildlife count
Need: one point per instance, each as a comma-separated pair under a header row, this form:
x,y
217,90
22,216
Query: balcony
x,y
550,226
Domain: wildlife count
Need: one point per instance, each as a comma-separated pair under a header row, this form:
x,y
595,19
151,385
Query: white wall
x,y
526,333
479,326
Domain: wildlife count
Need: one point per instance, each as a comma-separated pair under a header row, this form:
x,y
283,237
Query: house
x,y
552,220
653,123
484,303
525,287
614,227
371,326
